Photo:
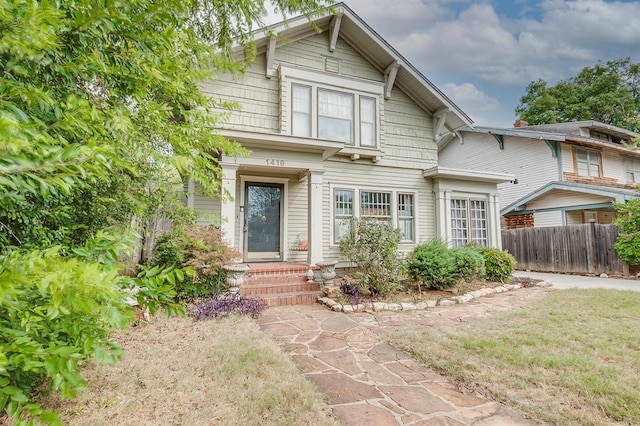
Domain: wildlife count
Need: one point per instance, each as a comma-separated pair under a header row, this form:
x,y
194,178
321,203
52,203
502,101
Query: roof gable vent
x,y
332,65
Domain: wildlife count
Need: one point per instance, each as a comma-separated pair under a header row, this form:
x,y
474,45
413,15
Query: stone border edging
x,y
408,306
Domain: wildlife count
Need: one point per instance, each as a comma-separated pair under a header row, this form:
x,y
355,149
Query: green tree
x,y
628,243
607,92
100,115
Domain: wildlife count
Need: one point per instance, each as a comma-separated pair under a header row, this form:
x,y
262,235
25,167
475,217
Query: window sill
x,y
357,152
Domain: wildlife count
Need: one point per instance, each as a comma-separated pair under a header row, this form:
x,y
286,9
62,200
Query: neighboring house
x,y
340,126
566,173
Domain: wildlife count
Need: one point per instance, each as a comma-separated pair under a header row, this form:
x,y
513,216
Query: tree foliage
x,y
628,243
101,115
607,92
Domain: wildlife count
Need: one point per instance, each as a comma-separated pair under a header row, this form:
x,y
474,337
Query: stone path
x,y
369,382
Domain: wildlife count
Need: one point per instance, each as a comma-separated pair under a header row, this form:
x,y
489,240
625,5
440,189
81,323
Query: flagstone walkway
x,y
369,382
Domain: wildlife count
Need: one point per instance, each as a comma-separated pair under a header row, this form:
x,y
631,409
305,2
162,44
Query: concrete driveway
x,y
563,281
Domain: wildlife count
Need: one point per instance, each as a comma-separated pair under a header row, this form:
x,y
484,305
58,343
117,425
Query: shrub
x,y
225,305
470,263
499,264
628,242
201,248
373,246
55,313
435,264
350,289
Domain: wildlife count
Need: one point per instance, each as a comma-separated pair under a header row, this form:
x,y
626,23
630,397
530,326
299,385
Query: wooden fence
x,y
584,249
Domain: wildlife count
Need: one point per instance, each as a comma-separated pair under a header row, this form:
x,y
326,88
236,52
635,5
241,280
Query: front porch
x,y
272,208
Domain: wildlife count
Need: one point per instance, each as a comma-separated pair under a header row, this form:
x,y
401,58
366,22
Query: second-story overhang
x,y
282,142
440,172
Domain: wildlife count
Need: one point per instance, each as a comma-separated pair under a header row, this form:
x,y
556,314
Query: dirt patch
x,y
178,371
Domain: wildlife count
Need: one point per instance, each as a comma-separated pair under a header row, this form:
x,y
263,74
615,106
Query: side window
x,y
343,213
406,222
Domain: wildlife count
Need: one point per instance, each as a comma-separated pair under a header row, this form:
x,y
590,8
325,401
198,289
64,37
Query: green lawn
x,y
570,358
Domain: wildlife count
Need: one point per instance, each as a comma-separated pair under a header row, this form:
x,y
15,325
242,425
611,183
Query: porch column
x,y
314,215
443,200
494,215
228,210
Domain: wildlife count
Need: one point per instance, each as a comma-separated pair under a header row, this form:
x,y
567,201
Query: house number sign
x,y
275,162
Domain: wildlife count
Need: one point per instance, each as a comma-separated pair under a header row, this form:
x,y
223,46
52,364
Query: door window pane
x,y
335,116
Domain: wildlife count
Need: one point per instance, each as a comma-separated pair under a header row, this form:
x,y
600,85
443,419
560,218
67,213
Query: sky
x,y
483,54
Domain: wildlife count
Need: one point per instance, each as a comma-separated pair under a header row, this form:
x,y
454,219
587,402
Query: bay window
x,y
468,222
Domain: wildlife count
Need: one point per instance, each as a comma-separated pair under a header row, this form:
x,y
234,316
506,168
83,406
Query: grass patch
x,y
571,358
179,372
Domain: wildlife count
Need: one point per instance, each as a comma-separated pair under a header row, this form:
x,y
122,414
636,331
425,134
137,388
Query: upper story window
x,y
335,116
587,162
331,107
632,170
301,115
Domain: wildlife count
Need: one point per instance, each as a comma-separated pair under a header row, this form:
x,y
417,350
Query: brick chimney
x,y
520,123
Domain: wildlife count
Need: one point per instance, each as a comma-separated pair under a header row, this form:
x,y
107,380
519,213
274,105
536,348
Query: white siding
x,y
529,160
312,51
208,207
408,134
553,218
554,199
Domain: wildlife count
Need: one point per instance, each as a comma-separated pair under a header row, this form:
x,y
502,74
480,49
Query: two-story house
x,y
340,126
565,173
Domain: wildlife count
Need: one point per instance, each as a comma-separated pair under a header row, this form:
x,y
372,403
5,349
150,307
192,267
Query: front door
x,y
263,222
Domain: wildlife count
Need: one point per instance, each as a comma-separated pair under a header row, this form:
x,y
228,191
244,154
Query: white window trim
x,y
290,76
357,189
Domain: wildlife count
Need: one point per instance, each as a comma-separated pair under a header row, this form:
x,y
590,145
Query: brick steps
x,y
280,284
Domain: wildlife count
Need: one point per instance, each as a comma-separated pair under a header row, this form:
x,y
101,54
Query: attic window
x,y
604,136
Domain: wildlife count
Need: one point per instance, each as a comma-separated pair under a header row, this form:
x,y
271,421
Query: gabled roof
x,y
616,194
368,43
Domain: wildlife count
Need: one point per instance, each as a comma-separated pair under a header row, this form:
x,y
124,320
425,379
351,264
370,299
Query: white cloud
x,y
569,36
472,100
